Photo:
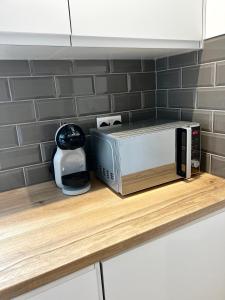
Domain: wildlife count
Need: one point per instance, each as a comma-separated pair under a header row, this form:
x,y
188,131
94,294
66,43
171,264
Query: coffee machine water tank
x,y
69,161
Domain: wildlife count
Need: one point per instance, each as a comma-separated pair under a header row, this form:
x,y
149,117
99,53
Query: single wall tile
x,y
4,90
37,132
16,112
49,109
91,66
37,174
93,105
211,98
68,86
32,88
161,98
51,67
169,79
168,114
19,157
161,64
129,101
123,66
142,81
218,166
107,84
149,99
14,67
219,122
200,116
12,179
181,60
47,150
198,76
220,73
148,65
181,98
8,137
213,143
214,49
143,115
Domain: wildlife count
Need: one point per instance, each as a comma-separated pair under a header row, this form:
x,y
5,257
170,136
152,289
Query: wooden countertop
x,y
45,235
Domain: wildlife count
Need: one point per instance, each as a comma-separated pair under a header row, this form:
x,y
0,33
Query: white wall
x,y
215,18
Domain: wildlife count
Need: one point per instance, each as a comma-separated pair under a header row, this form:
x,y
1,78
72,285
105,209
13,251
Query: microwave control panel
x,y
195,150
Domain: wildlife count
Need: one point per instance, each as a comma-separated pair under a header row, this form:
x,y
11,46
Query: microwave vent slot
x,y
105,173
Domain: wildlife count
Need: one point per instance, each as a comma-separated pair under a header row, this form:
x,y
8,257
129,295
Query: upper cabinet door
x,y
215,21
138,19
34,22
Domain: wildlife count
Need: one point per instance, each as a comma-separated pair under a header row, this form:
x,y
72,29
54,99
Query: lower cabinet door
x,y
82,285
186,264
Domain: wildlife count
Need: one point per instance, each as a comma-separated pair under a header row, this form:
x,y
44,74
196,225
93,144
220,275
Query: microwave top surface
x,y
142,127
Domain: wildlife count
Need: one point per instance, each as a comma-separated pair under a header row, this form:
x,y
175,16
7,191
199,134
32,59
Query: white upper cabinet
x,y
137,24
34,22
215,20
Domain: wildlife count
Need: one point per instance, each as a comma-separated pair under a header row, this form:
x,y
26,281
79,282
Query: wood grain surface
x,y
45,235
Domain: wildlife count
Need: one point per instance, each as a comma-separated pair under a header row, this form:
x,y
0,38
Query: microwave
x,y
130,158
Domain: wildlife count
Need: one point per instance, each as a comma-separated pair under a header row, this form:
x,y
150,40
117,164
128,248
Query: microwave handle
x,y
187,132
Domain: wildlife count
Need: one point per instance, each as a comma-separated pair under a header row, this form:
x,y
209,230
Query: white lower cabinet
x,y
82,285
186,264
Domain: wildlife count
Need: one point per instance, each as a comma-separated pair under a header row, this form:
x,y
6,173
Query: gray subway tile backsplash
x,y
50,109
37,96
198,76
184,98
93,105
16,112
4,90
68,86
142,81
121,66
32,87
114,83
11,179
125,102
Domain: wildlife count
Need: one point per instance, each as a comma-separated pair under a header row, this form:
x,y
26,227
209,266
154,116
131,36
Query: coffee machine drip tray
x,y
76,180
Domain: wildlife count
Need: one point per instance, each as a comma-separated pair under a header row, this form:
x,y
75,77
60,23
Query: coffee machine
x,y
69,160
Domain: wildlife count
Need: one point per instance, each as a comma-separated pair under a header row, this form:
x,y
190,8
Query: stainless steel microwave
x,y
134,157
